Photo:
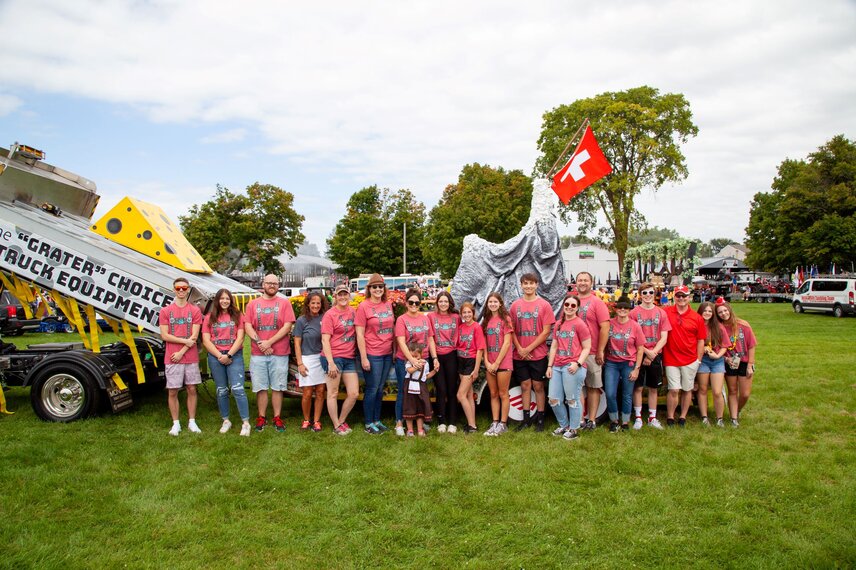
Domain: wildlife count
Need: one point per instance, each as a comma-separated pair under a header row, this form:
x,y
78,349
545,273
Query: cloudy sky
x,y
164,99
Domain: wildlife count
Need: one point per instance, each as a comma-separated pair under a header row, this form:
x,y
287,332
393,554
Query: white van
x,y
836,295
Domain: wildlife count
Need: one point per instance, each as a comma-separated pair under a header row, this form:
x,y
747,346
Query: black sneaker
x,y
590,425
614,427
670,422
625,427
682,422
523,425
470,429
539,425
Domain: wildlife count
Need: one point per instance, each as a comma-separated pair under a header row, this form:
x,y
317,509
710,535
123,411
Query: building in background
x,y
735,250
600,262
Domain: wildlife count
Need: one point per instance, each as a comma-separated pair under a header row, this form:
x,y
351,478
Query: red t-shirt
x,y
496,331
180,321
594,312
470,340
267,316
343,334
379,323
744,340
224,332
413,329
569,337
624,340
653,322
687,329
445,331
530,318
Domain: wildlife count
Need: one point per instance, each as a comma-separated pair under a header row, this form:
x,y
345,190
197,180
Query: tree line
x,y
808,218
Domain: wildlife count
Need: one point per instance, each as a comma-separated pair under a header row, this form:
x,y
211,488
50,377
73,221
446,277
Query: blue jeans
x,y
400,375
226,378
564,390
375,379
612,373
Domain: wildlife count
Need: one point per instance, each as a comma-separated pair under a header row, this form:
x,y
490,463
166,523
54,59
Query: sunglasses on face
x,y
571,305
182,288
376,286
680,296
413,303
646,293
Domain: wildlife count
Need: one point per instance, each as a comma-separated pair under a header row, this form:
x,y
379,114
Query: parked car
x,y
16,322
836,295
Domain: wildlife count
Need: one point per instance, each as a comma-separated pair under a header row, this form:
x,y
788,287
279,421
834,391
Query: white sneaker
x,y
193,427
399,430
441,428
452,428
492,429
176,429
245,430
638,423
655,423
227,425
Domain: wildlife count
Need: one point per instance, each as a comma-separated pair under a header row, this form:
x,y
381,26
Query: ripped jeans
x,y
227,378
564,395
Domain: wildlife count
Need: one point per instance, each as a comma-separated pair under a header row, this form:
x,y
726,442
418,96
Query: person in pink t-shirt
x,y
445,322
656,326
566,371
533,320
180,323
223,338
268,321
498,330
412,326
623,361
470,351
375,322
596,316
739,360
339,342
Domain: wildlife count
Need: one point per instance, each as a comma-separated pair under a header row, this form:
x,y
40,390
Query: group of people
x,y
589,349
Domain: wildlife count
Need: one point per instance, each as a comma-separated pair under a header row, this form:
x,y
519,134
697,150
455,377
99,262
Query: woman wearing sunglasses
x,y
339,343
375,323
623,361
412,326
566,368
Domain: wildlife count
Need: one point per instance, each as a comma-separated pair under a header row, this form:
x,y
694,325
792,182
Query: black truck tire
x,y
64,392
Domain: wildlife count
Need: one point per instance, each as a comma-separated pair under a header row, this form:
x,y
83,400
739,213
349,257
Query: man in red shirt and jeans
x,y
682,354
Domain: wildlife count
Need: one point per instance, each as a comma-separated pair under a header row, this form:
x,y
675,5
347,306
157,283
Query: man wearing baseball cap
x,y
682,354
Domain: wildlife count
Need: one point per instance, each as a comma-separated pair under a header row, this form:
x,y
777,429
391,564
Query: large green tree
x,y
640,132
256,227
491,202
370,236
810,216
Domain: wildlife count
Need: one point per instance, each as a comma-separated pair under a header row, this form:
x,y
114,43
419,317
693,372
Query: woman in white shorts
x,y
307,352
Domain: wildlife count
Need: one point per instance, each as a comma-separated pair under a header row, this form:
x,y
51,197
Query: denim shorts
x,y
343,364
269,372
711,366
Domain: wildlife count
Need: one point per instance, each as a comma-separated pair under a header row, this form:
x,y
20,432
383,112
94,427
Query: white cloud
x,y
232,135
8,103
404,94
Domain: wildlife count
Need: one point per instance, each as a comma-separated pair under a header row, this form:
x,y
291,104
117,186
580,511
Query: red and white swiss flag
x,y
586,166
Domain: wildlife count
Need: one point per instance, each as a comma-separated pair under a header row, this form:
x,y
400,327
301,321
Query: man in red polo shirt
x,y
682,354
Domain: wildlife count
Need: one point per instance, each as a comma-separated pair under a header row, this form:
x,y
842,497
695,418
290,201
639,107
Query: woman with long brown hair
x,y
223,338
497,328
739,360
307,353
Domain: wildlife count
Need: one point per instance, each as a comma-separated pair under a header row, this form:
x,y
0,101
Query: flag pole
x,y
567,147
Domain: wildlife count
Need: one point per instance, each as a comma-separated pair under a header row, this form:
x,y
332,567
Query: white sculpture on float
x,y
487,267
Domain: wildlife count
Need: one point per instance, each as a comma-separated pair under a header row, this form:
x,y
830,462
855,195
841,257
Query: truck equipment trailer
x,y
122,266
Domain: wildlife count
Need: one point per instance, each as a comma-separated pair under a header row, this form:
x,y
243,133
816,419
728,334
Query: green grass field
x,y
117,491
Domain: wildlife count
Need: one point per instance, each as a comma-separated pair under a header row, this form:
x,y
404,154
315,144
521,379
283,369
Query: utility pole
x,y
405,247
